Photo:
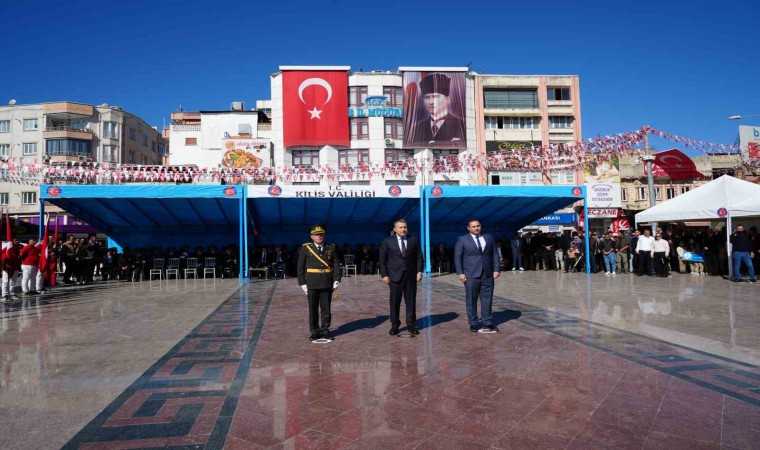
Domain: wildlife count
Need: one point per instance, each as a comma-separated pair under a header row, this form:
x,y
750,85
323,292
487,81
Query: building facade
x,y
68,132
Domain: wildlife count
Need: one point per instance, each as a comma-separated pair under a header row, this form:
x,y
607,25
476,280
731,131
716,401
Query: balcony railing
x,y
186,128
81,130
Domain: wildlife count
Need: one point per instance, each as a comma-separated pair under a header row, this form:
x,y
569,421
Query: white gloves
x,y
305,289
336,284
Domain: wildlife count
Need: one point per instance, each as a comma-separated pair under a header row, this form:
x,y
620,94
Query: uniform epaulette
x,y
306,243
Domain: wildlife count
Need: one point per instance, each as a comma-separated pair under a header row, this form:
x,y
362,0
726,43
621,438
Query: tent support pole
x,y
426,202
729,251
244,268
240,241
587,236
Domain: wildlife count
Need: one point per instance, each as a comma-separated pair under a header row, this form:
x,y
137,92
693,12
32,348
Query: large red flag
x,y
315,107
8,232
677,165
55,242
43,251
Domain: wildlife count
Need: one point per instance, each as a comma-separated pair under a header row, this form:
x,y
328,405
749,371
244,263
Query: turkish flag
x,y
677,165
753,150
315,108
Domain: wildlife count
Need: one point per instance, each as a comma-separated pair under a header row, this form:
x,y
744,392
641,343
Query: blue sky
x,y
682,67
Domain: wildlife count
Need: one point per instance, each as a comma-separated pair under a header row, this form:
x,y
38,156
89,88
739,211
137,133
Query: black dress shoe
x,y
474,328
327,335
393,331
413,330
313,337
491,328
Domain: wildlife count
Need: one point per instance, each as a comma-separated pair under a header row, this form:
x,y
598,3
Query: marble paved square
x,y
579,363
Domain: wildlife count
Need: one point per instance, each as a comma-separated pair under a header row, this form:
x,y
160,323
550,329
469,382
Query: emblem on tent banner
x,y
394,191
54,191
436,191
274,190
230,191
722,212
577,191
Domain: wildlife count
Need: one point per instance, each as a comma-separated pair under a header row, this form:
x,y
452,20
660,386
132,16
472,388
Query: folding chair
x,y
209,267
192,268
158,269
172,267
349,264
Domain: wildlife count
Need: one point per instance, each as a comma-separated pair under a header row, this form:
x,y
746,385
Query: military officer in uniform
x,y
318,275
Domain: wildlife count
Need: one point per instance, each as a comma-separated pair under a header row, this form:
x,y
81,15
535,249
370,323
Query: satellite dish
x,y
12,102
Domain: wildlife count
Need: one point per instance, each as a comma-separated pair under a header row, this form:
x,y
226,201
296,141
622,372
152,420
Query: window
x,y
624,195
191,141
153,146
511,99
162,149
685,189
4,198
512,123
109,153
305,157
5,150
560,121
30,124
558,93
445,153
360,128
357,95
394,128
641,193
395,96
563,178
657,193
29,198
670,193
109,130
398,155
29,148
67,147
353,156
5,126
145,140
133,134
143,160
132,156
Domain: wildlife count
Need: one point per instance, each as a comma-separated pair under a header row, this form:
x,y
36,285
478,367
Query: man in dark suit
x,y
441,258
263,258
441,128
477,263
401,269
319,275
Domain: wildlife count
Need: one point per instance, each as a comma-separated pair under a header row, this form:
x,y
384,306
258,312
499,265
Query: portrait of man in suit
x,y
476,260
401,266
439,126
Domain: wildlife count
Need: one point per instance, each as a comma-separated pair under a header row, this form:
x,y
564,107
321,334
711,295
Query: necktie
x,y
319,248
264,257
477,240
435,126
403,247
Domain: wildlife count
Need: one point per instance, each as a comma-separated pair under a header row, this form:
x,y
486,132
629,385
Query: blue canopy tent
x,y
501,209
143,216
283,214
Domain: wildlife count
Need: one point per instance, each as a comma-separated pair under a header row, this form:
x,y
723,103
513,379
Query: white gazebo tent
x,y
723,198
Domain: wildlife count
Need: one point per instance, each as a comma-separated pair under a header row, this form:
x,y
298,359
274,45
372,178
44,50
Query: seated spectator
x,y
279,262
367,259
227,263
441,259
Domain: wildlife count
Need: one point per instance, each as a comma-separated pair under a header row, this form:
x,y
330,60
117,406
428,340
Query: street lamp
x,y
738,117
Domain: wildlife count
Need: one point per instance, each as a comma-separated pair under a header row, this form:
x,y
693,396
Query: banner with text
x,y
286,191
603,183
246,153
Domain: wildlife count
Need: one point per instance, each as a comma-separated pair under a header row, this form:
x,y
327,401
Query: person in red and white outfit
x,y
11,268
30,261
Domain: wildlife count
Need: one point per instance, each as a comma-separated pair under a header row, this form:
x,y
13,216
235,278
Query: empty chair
x,y
349,264
209,267
172,267
158,269
192,268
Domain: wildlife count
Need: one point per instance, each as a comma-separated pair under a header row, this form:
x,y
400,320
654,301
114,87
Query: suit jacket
x,y
517,245
451,133
469,261
393,265
269,258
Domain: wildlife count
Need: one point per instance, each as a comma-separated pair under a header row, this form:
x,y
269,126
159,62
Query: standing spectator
x,y
644,249
609,254
712,253
634,242
740,251
754,245
673,258
529,249
93,253
517,252
623,246
68,259
547,249
30,260
660,251
82,262
696,259
11,267
593,245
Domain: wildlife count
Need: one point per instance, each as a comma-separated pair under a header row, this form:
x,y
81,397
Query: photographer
x,y
741,253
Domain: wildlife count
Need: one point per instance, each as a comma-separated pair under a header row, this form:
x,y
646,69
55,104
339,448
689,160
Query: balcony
x,y
184,128
67,110
84,134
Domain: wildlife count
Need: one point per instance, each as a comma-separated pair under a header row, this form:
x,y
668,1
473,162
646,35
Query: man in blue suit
x,y
477,264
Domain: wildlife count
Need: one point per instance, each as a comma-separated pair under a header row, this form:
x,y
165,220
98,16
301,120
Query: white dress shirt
x,y
645,243
661,245
481,239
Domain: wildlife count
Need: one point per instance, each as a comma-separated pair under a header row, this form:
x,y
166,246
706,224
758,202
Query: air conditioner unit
x,y
390,143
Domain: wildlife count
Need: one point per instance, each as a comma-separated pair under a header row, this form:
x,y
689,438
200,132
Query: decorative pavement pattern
x,y
247,377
